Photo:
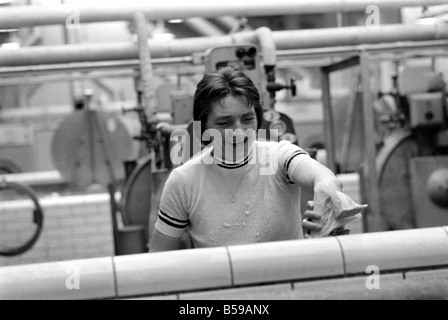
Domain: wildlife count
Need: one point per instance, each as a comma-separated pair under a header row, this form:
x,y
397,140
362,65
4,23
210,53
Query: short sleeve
x,y
290,156
172,217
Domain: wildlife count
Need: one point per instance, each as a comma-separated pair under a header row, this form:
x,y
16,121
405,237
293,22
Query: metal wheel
x,y
141,195
393,169
38,218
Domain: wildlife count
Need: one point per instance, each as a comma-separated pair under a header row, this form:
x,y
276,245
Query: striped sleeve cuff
x,y
293,162
170,226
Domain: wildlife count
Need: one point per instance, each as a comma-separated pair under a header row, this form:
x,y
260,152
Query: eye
x,y
249,120
223,123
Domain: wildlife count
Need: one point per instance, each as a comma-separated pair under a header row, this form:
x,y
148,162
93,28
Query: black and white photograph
x,y
222,157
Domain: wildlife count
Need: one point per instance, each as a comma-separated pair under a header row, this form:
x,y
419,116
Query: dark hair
x,y
217,85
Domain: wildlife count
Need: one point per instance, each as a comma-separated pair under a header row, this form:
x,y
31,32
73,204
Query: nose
x,y
237,135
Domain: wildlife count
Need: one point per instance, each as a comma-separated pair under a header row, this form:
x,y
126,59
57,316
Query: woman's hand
x,y
311,222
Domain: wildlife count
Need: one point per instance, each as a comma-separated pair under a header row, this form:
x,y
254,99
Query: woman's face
x,y
234,120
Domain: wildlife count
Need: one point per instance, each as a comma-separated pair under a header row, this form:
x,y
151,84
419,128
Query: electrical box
x,y
426,110
419,79
244,57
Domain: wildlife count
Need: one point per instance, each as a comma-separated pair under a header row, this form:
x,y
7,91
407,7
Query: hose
x,y
38,218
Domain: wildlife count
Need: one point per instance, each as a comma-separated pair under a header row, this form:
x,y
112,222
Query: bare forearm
x,y
161,242
309,172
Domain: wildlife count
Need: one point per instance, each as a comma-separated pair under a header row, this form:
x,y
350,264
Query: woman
x,y
239,190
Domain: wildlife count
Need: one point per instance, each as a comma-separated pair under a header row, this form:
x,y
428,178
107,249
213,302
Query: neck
x,y
236,162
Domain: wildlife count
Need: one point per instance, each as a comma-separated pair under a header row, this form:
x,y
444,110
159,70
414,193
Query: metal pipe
x,y
184,65
328,120
146,79
232,23
203,27
267,46
64,77
333,37
179,62
286,58
284,40
369,170
27,16
318,53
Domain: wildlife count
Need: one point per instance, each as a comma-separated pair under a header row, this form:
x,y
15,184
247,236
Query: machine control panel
x,y
427,110
243,57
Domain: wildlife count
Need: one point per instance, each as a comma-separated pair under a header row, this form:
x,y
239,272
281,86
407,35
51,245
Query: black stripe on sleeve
x,y
171,224
176,223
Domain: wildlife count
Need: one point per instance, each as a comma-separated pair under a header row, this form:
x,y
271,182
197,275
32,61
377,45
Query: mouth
x,y
237,144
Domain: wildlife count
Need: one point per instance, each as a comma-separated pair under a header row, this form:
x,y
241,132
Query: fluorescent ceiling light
x,y
174,21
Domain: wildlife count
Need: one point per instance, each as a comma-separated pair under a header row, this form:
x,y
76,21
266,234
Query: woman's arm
x,y
161,242
309,172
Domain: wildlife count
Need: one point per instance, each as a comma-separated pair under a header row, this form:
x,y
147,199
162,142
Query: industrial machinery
x,y
404,143
412,164
89,147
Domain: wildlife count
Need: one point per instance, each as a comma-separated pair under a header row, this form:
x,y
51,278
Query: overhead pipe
x,y
203,27
286,58
233,24
146,80
30,16
268,48
333,37
316,57
284,40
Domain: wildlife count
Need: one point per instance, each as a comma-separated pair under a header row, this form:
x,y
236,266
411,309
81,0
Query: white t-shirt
x,y
225,205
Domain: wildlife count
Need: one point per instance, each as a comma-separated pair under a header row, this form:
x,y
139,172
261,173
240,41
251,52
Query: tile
x,y
77,279
427,285
389,286
174,271
446,230
271,292
286,261
167,297
395,250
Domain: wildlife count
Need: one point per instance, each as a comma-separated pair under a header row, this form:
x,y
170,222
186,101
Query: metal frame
x,y
363,59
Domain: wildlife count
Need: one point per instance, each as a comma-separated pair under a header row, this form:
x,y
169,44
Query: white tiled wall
x,y
75,227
